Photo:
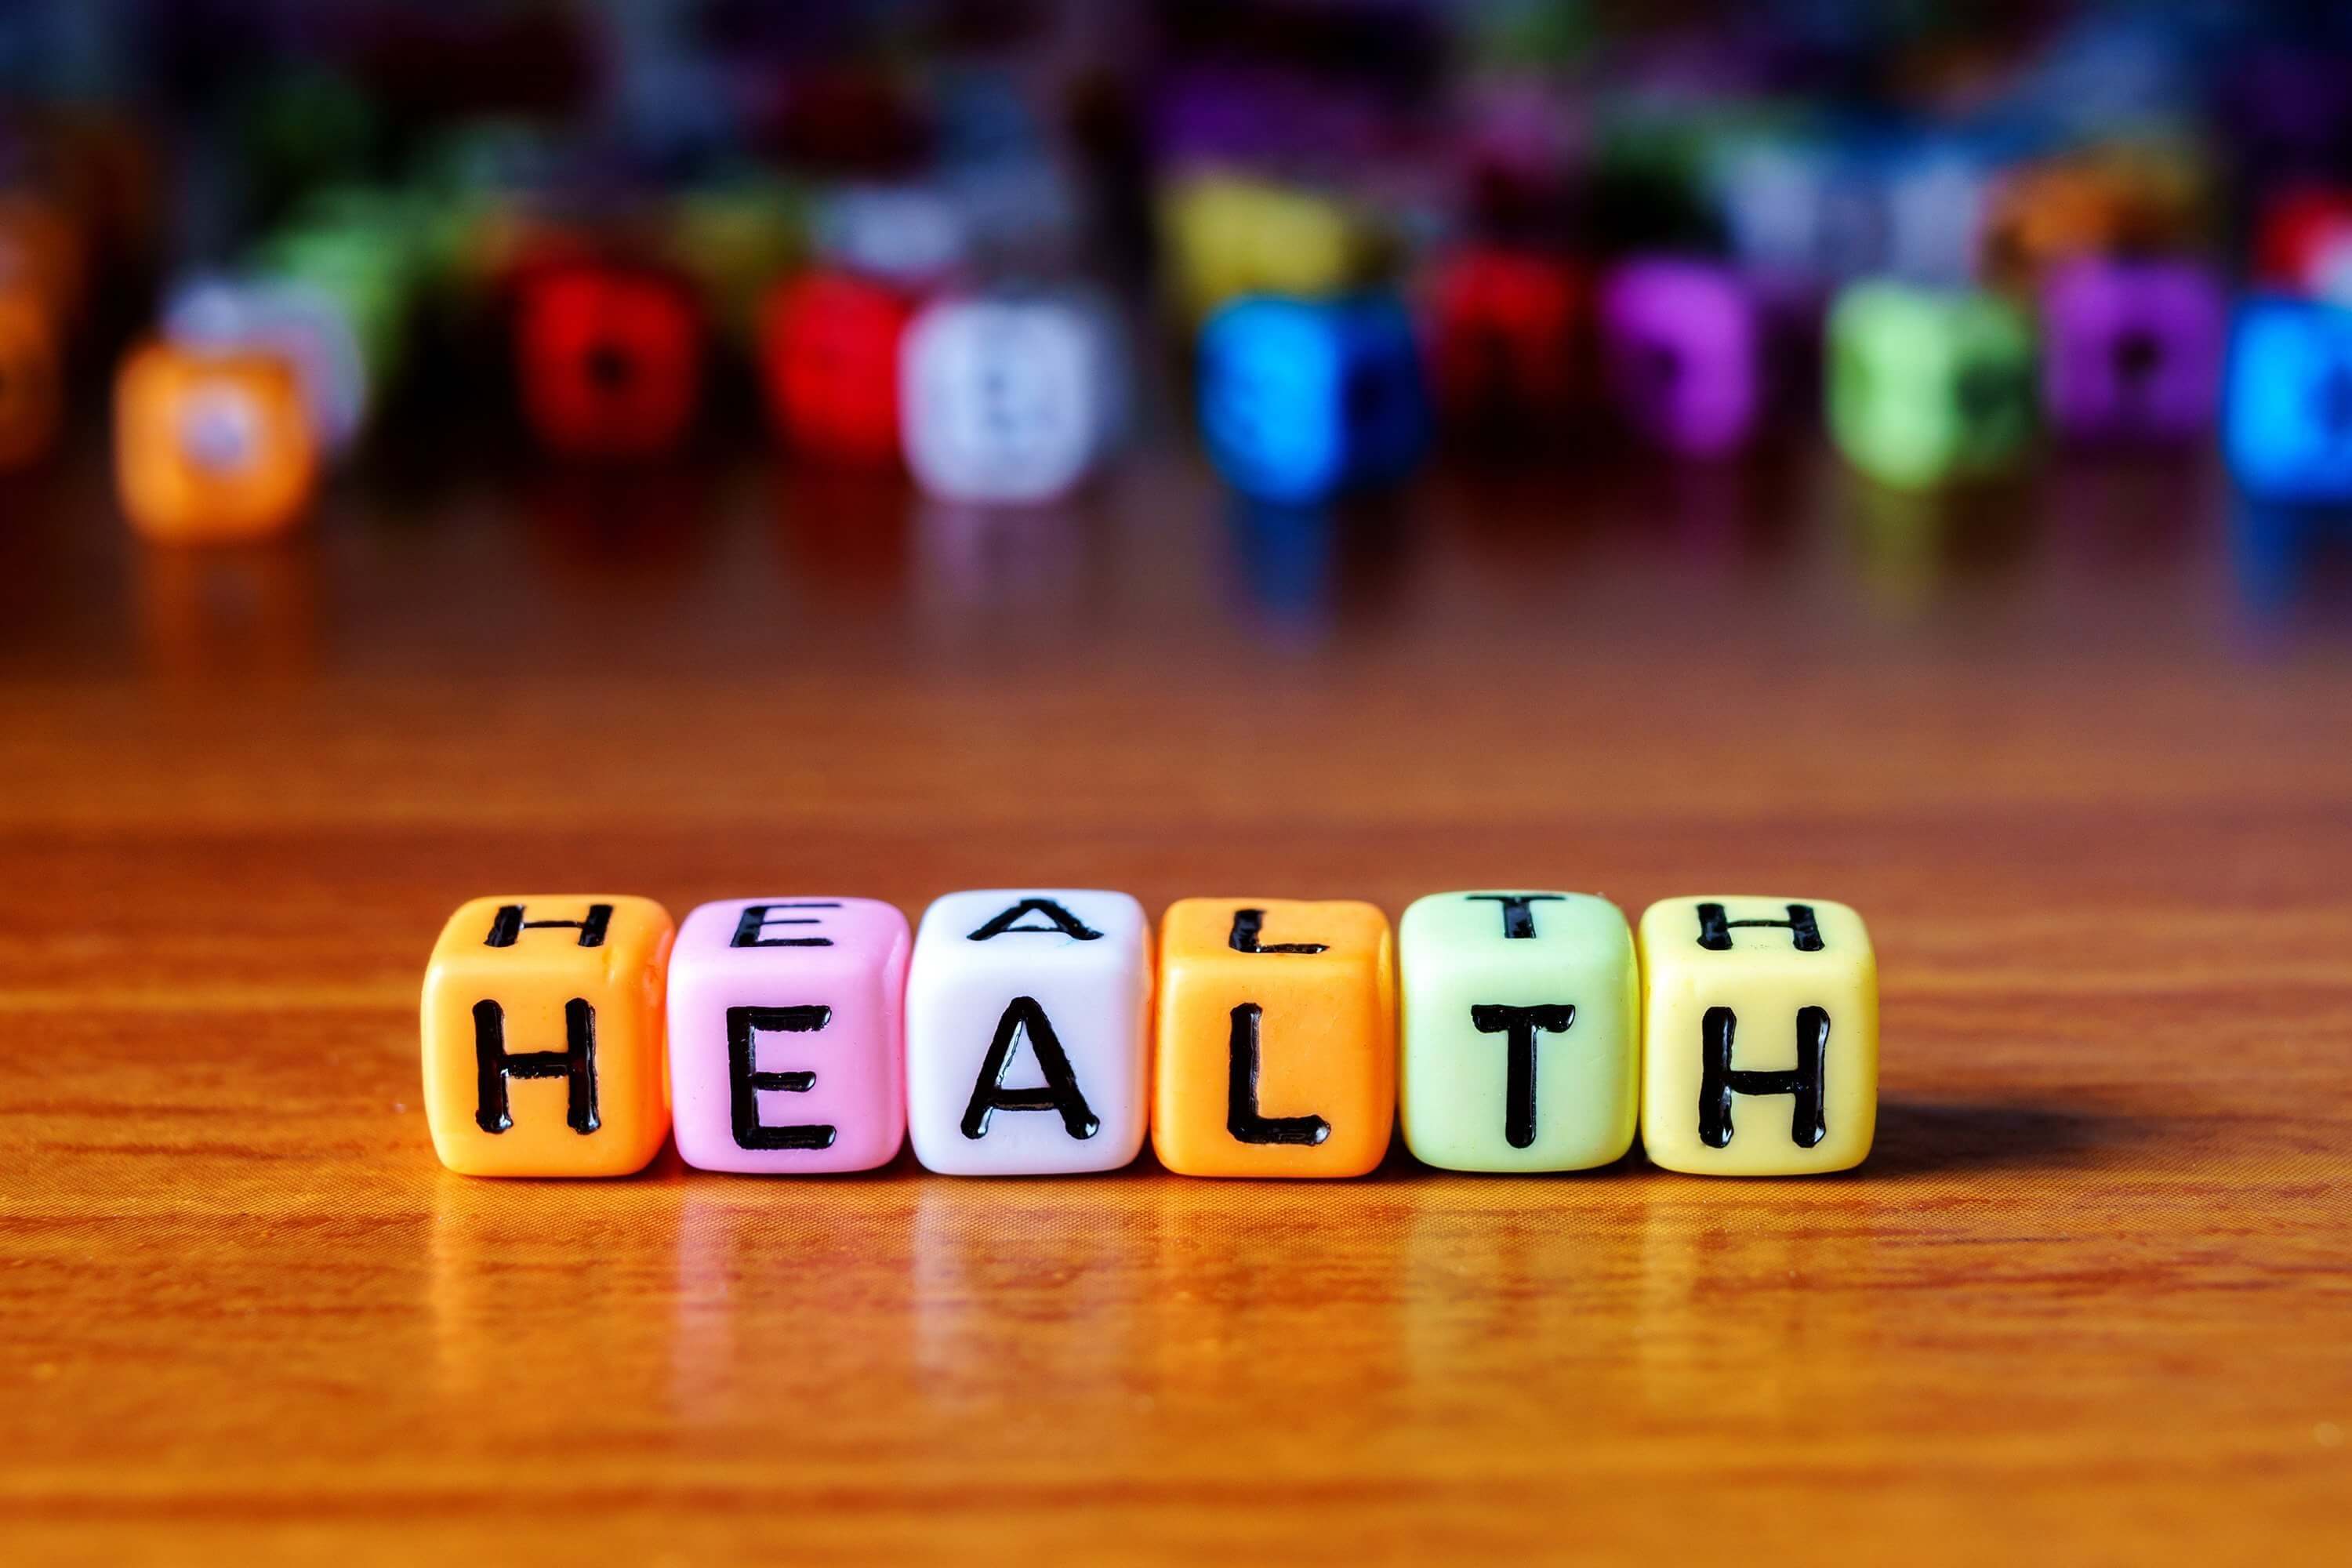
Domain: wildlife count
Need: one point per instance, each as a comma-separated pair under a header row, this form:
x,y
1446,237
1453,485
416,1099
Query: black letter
x,y
1718,1082
744,1081
1247,923
1063,921
1522,1025
1518,919
509,924
1059,1091
493,1064
1242,1118
1714,932
751,926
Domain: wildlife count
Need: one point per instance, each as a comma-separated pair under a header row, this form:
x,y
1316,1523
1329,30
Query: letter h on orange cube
x,y
544,1050
1277,1038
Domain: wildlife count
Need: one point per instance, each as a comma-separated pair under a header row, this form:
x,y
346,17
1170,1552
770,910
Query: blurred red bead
x,y
1506,333
829,365
609,359
2304,244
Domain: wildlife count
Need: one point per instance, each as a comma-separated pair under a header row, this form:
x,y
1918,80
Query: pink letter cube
x,y
787,1035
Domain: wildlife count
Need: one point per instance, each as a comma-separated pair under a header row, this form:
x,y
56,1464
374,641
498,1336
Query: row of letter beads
x,y
564,1035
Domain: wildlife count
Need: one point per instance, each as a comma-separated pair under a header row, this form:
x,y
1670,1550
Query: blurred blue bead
x,y
1301,399
2288,404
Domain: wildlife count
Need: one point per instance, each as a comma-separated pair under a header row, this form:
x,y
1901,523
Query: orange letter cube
x,y
1277,1038
544,1053
212,445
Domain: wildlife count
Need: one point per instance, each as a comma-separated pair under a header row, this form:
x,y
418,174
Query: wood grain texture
x,y
2078,754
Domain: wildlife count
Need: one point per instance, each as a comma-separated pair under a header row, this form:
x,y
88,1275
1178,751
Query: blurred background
x,y
931,327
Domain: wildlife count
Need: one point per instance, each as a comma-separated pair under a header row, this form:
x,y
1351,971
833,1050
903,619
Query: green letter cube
x,y
1927,386
1521,1031
1760,1048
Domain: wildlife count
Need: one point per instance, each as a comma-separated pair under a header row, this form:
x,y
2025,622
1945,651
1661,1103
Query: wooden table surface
x,y
2080,753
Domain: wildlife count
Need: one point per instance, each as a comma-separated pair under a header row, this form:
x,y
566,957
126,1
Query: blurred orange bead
x,y
212,447
42,248
30,375
2097,202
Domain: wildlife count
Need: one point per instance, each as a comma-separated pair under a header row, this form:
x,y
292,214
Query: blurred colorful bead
x,y
2127,198
912,236
304,324
1225,236
31,377
2304,245
1507,337
1928,386
212,447
44,249
609,359
1008,399
829,362
2286,422
1682,350
2132,350
1300,399
735,241
368,268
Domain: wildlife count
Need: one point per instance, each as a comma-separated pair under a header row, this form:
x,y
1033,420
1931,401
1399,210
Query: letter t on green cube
x,y
1522,1031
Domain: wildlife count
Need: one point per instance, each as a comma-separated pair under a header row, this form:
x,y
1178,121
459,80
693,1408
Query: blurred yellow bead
x,y
1227,237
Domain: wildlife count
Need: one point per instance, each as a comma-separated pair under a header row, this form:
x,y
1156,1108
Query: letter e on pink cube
x,y
787,1035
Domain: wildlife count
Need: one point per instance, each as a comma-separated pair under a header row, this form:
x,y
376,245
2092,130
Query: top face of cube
x,y
1230,236
1004,400
1939,332
1039,929
1217,932
1700,299
1729,935
601,937
1504,928
756,936
2288,408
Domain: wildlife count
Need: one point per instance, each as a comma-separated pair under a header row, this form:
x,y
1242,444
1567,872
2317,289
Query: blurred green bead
x,y
1927,387
366,265
737,239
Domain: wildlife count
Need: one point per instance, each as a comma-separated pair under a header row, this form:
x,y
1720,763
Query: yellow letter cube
x,y
1759,1036
544,1053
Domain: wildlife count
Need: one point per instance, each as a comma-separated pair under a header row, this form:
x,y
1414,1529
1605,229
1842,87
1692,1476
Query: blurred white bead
x,y
1008,399
302,323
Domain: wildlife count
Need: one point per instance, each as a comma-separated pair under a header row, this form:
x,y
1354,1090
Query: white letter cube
x,y
1028,1032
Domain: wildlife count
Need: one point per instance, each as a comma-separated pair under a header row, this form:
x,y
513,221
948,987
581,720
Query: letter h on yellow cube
x,y
1760,1037
543,1034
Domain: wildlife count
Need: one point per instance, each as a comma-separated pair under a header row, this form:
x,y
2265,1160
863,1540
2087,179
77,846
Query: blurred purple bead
x,y
1682,348
2132,350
